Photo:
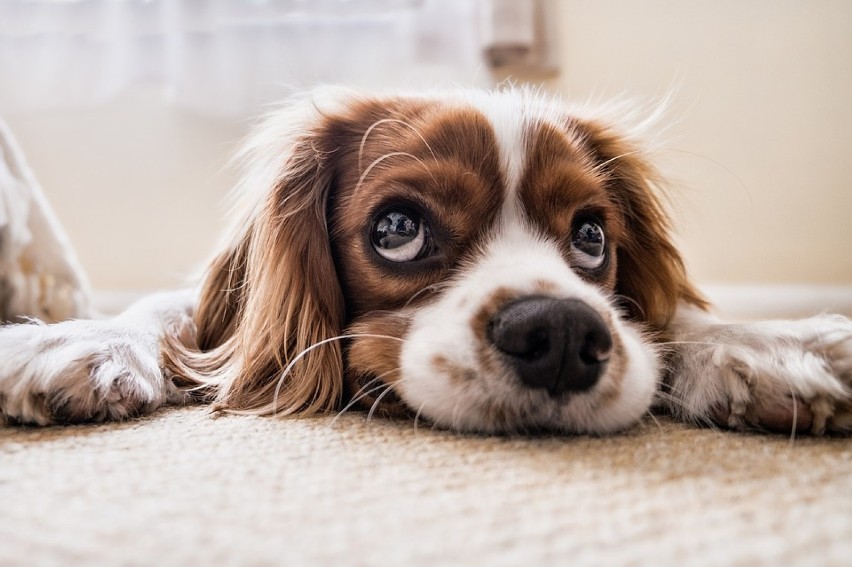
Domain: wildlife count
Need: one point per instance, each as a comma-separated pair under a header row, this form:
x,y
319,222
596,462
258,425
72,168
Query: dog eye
x,y
588,244
400,235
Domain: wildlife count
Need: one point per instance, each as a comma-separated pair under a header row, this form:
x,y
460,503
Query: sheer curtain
x,y
231,56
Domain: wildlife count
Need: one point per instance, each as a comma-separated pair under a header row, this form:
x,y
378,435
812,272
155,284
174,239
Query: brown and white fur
x,y
486,261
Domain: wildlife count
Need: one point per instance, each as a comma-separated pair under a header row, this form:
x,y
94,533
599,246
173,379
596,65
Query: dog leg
x,y
90,370
771,375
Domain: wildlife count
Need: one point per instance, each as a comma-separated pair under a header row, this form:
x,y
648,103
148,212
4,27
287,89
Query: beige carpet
x,y
182,488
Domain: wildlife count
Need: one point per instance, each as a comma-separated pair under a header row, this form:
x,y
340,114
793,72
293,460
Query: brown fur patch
x,y
446,169
559,184
454,372
492,304
373,362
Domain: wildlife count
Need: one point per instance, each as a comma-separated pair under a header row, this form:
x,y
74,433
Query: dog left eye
x,y
400,235
588,245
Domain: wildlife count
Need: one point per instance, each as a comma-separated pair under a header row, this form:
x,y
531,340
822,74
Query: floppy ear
x,y
272,294
650,271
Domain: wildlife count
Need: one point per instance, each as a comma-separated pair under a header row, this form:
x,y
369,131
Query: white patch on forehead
x,y
509,123
508,118
513,115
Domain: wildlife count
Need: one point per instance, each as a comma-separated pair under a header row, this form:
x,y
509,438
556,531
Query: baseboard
x,y
778,301
112,301
731,301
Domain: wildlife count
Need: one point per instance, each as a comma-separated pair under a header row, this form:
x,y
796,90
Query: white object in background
x,y
39,272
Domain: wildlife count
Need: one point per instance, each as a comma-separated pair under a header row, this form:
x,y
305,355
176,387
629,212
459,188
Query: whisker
x,y
454,415
717,163
601,166
362,392
679,402
386,121
701,343
795,409
671,389
380,159
655,420
315,346
679,406
378,400
795,419
428,288
417,415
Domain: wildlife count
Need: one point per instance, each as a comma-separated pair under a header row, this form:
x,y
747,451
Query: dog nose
x,y
557,344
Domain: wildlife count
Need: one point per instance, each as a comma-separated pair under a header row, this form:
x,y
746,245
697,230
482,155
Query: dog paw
x,y
776,375
79,371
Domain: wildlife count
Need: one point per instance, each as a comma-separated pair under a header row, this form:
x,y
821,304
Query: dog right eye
x,y
588,244
400,235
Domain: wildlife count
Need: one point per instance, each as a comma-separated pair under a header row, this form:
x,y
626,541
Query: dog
x,y
486,261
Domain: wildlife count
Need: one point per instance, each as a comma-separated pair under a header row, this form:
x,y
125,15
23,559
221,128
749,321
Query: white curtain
x,y
231,56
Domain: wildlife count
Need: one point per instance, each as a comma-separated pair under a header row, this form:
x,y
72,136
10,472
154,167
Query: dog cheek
x,y
373,355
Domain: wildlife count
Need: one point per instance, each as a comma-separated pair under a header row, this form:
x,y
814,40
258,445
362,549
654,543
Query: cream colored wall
x,y
137,184
761,129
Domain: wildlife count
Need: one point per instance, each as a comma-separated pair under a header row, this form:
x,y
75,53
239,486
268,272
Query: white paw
x,y
79,371
774,375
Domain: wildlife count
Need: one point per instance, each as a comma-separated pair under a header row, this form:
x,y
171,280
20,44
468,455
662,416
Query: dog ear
x,y
651,278
272,297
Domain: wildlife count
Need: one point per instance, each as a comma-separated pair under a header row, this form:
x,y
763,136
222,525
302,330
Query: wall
x,y
759,132
136,183
761,123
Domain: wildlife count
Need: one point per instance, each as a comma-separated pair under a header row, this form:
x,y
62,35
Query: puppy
x,y
486,261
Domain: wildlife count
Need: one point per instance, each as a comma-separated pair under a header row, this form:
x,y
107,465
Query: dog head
x,y
489,261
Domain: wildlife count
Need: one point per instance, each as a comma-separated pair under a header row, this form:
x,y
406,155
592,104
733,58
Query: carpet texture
x,y
184,488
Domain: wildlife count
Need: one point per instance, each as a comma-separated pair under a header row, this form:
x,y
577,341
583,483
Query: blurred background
x,y
129,109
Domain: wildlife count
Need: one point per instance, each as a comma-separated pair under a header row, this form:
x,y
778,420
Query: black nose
x,y
558,344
